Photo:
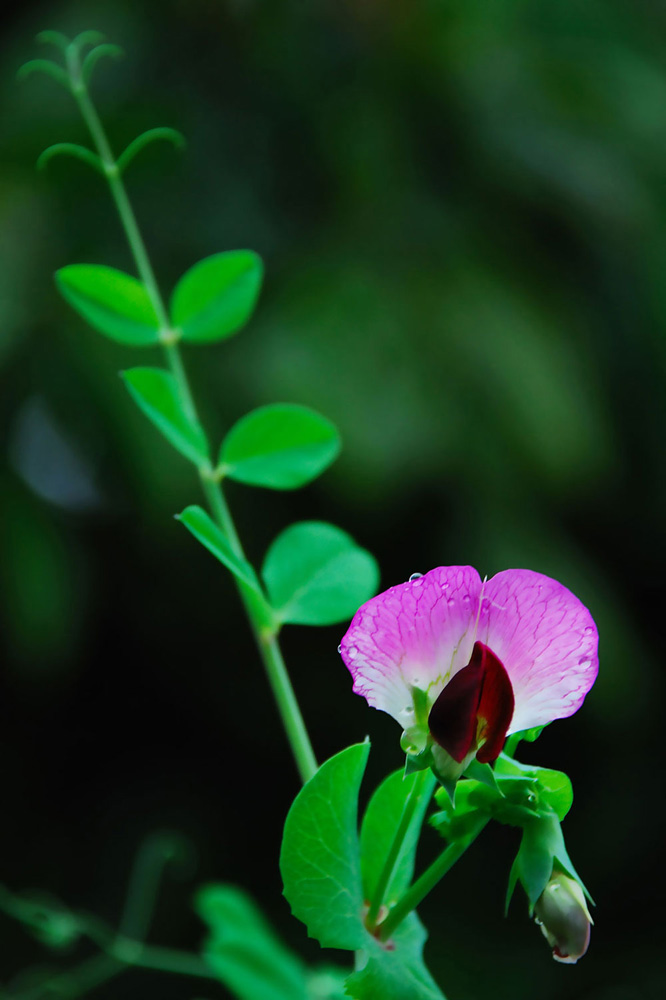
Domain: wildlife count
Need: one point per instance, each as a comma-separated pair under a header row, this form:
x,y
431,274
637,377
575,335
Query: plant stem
x,y
265,636
424,785
431,876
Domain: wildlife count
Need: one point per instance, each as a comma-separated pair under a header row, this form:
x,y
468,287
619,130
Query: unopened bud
x,y
564,918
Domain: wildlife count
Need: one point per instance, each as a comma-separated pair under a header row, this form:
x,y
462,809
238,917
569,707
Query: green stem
x,y
265,636
431,876
423,785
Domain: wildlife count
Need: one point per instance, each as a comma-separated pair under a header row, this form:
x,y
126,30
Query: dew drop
x,y
340,648
352,652
466,598
584,661
415,576
451,601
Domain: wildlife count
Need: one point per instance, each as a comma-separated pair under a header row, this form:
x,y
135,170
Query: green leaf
x,y
315,574
320,858
398,972
113,302
380,822
156,393
216,297
198,522
321,870
243,951
282,446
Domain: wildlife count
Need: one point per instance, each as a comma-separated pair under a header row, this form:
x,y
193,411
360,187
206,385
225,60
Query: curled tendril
x,y
53,38
94,57
51,69
71,149
152,135
84,38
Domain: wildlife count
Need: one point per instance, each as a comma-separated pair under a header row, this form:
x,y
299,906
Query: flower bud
x,y
564,918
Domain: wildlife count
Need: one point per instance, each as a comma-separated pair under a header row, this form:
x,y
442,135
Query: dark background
x,y
461,207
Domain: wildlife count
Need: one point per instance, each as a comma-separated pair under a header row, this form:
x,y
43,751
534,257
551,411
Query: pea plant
x,y
467,666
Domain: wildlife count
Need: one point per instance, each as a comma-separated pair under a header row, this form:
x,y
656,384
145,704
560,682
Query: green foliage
x,y
216,297
323,879
541,847
315,574
204,529
282,446
156,393
380,823
243,951
113,302
320,860
396,971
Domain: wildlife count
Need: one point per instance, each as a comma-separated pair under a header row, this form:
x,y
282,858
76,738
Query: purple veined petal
x,y
417,634
546,639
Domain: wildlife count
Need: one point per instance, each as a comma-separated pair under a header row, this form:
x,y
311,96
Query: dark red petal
x,y
452,720
496,705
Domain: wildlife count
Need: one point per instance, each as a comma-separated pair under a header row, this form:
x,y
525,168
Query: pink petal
x,y
418,633
547,641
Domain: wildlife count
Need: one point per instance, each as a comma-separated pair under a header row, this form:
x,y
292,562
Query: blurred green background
x,y
462,211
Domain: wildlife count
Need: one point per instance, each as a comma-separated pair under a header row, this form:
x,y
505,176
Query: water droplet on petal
x,y
584,661
466,598
415,576
352,652
340,648
451,601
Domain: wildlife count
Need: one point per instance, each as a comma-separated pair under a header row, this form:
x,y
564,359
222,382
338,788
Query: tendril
x,y
51,69
94,57
71,149
151,135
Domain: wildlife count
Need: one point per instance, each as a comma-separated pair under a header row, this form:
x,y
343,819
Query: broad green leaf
x,y
398,972
282,446
317,575
156,393
113,302
321,871
380,822
320,859
243,951
216,297
207,532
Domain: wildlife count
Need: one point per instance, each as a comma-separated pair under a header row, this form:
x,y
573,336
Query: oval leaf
x,y
156,393
282,446
315,574
320,856
113,302
207,532
216,297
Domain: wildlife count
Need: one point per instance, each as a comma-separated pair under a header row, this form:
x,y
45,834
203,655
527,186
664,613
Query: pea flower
x,y
462,663
564,918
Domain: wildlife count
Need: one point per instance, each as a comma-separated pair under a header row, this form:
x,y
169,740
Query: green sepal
x,y
204,529
481,772
217,296
156,393
316,574
541,848
281,446
457,820
115,303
